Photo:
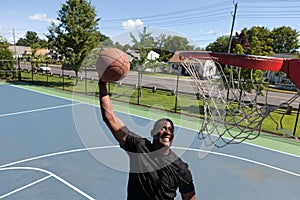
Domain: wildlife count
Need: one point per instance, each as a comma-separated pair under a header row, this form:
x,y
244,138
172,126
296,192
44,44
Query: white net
x,y
229,97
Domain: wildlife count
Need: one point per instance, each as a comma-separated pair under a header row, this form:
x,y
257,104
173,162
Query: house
x,y
19,51
42,52
133,54
205,68
22,51
152,55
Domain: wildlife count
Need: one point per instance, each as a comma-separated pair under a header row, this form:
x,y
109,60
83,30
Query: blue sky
x,y
199,21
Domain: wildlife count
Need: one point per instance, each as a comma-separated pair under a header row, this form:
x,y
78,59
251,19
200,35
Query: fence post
x,y
85,81
63,76
19,70
296,122
176,92
139,85
47,72
32,63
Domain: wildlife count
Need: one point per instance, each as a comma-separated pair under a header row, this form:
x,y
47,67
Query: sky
x,y
201,22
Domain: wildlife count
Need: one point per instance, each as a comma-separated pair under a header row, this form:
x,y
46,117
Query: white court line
x,y
24,187
56,154
180,148
37,110
243,159
50,175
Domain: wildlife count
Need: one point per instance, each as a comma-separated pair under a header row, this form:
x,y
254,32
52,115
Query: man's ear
x,y
153,132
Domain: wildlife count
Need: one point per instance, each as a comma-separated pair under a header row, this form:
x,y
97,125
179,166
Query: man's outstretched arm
x,y
116,126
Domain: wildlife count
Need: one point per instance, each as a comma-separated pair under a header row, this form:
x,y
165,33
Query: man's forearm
x,y
116,126
102,89
105,103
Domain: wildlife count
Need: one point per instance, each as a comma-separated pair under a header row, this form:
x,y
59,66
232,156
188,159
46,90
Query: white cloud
x,y
212,32
131,24
42,17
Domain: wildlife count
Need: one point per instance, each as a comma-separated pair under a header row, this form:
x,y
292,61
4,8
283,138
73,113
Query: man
x,y
155,171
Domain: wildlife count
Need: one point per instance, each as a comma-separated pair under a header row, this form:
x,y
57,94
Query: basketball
x,y
112,65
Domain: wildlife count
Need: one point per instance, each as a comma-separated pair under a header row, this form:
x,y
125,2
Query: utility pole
x,y
230,38
232,26
15,42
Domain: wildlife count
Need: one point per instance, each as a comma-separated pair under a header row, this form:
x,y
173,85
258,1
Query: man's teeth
x,y
166,139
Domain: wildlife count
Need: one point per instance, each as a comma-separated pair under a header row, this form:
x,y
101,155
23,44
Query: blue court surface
x,y
56,148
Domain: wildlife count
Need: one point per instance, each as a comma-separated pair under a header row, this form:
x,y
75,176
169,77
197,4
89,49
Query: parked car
x,y
44,69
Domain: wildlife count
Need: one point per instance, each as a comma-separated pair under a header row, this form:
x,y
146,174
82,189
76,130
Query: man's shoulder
x,y
135,142
138,138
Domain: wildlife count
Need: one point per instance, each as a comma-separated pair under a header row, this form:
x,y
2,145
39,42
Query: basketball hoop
x,y
231,111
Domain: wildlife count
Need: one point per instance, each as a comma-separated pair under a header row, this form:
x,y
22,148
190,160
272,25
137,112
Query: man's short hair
x,y
158,125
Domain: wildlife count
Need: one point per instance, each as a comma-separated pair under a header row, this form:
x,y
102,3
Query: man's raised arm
x,y
116,126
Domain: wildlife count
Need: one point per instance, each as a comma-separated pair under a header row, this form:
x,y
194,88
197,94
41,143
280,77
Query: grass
x,y
183,104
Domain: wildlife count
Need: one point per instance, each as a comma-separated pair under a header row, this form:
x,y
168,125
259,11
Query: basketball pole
x,y
176,93
296,122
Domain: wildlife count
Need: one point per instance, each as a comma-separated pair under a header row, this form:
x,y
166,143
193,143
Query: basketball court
x,y
50,148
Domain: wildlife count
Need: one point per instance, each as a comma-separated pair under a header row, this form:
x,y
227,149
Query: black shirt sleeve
x,y
131,142
186,184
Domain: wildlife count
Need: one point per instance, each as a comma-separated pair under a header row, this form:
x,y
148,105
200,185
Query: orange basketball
x,y
112,65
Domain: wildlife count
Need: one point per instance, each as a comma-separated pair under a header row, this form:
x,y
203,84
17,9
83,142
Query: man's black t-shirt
x,y
153,176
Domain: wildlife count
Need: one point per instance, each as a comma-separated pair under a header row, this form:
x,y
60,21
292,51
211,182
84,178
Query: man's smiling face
x,y
164,134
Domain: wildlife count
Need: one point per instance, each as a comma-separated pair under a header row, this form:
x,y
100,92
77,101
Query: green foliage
x,y
239,49
143,44
260,40
163,44
174,43
220,45
76,34
144,40
285,39
256,41
6,61
31,38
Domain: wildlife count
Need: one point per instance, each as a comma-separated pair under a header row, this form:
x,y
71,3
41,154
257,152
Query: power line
x,y
213,12
175,13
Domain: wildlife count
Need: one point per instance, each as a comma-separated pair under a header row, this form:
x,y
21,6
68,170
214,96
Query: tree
x,y
6,60
240,43
143,44
260,41
76,34
173,43
285,40
220,45
30,39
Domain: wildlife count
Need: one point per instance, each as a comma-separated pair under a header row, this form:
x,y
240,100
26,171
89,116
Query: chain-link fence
x,y
167,91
